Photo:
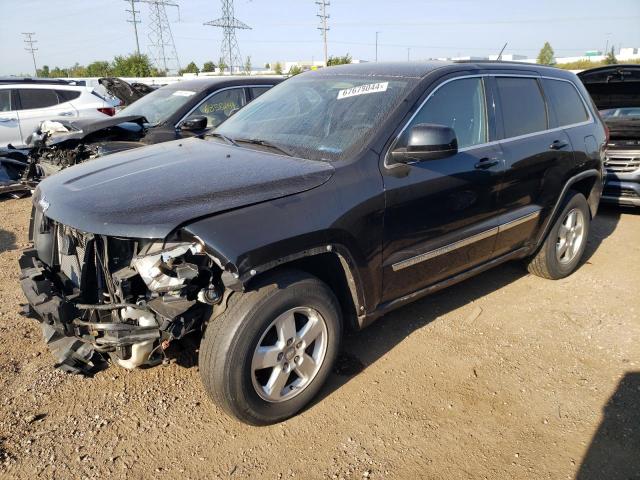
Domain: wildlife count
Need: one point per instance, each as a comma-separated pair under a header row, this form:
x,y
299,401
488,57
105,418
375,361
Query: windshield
x,y
319,117
621,113
158,105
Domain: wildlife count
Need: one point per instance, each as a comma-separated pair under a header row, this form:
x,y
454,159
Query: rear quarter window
x,y
67,95
522,105
566,102
31,98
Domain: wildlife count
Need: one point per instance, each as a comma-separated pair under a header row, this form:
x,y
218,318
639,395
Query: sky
x,y
70,31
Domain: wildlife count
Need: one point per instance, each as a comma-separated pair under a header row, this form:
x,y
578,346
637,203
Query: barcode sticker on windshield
x,y
363,90
183,93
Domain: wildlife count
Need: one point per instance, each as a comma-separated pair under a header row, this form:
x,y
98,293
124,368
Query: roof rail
x,y
42,81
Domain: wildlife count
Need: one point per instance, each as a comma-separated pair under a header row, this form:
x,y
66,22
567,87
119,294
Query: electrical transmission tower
x,y
229,23
161,45
135,21
29,41
324,28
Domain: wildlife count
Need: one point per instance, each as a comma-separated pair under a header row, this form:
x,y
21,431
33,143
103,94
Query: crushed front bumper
x,y
76,344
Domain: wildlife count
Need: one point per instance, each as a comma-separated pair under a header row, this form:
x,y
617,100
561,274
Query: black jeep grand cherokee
x,y
332,199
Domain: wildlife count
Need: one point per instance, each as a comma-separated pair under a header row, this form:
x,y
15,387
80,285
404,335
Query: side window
x,y
522,105
37,98
218,107
257,91
5,100
67,95
567,103
461,105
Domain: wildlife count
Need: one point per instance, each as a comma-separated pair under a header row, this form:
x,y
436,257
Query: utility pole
x,y
324,28
408,54
29,41
135,22
377,33
229,24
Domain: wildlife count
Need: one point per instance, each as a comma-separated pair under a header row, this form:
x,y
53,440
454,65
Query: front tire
x,y
271,351
562,250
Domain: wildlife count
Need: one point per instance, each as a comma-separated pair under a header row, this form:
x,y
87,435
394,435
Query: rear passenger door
x,y
39,104
9,124
536,157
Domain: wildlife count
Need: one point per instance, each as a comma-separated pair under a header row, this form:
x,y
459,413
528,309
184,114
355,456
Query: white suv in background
x,y
24,103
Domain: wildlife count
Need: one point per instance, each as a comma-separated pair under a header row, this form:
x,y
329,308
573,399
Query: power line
x,y
161,45
324,28
229,49
135,22
29,41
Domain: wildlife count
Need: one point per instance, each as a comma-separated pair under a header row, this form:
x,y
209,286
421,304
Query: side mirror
x,y
194,123
427,141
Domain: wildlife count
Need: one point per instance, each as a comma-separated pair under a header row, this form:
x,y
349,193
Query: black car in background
x,y
180,110
329,201
615,89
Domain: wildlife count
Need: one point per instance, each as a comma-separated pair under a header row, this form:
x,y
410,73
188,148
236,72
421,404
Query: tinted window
x,y
257,91
5,100
37,98
523,108
566,102
218,107
460,105
67,95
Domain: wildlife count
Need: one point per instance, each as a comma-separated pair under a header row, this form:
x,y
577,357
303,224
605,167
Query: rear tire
x,y
564,246
271,351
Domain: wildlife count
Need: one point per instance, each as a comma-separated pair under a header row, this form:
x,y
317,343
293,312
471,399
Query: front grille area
x,y
617,162
71,250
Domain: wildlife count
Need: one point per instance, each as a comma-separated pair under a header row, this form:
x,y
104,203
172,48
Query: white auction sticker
x,y
363,90
183,93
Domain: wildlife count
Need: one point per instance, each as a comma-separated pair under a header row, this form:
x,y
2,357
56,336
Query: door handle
x,y
486,162
557,145
4,119
65,114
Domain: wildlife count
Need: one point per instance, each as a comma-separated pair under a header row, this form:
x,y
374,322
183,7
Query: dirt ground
x,y
503,376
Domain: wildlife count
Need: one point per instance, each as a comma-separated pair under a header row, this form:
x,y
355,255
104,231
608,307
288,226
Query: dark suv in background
x,y
615,89
332,199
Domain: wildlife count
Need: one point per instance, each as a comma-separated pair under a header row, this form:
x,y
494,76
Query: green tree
x,y
209,67
191,68
222,66
339,60
545,57
267,66
134,65
277,68
295,70
247,65
43,72
99,69
610,59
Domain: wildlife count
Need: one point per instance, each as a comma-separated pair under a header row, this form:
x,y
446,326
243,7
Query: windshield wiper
x,y
264,143
229,140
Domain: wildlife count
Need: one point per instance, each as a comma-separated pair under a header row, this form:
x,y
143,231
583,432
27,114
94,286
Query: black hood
x,y
83,128
149,191
613,86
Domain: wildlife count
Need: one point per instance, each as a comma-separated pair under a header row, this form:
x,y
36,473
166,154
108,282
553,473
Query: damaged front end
x,y
127,299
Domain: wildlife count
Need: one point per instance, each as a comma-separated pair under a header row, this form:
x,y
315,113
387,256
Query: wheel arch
x,y
331,264
587,182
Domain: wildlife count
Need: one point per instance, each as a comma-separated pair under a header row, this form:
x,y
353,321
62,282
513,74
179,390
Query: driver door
x,y
440,216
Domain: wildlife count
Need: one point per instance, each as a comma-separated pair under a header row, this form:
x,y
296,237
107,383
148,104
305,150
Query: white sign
x,y
363,90
183,93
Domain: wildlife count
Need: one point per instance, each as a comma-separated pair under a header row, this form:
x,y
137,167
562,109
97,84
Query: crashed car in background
x,y
615,89
124,91
185,109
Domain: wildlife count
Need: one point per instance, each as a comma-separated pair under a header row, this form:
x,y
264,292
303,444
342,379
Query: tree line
x,y
547,57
